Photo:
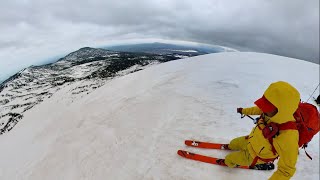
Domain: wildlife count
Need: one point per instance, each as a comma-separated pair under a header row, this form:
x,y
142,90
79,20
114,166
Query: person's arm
x,y
286,145
251,111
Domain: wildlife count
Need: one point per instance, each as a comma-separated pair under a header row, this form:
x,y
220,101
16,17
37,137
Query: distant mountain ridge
x,y
86,52
163,48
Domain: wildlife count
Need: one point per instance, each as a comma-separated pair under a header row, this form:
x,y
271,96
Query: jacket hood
x,y
286,98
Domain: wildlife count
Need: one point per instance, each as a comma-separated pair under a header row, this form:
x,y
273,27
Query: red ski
x,y
217,161
206,145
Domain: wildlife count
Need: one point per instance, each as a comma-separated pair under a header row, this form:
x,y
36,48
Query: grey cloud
x,y
289,28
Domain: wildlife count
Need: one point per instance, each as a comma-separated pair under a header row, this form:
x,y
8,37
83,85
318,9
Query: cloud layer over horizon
x,y
34,29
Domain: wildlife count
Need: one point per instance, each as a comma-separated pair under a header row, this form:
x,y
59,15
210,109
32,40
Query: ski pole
x,y
254,120
313,92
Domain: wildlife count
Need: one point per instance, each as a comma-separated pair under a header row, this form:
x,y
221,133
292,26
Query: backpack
x,y
307,123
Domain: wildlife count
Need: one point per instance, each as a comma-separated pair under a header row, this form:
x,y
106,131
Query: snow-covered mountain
x,y
87,53
83,70
132,126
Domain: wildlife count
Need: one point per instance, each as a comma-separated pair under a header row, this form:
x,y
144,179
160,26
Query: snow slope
x,y
131,127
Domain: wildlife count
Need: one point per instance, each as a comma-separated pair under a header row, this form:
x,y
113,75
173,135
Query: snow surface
x,y
132,127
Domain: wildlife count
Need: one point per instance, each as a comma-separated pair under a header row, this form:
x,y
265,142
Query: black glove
x,y
239,110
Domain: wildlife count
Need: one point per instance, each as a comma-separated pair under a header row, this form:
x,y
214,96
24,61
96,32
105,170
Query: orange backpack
x,y
308,121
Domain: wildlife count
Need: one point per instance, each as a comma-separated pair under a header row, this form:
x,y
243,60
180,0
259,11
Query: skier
x,y
266,143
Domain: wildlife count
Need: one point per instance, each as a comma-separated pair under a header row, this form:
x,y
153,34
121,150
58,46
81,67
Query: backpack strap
x,y
273,149
304,147
291,125
307,154
285,126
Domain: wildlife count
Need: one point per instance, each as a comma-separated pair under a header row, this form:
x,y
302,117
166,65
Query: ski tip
x,y
186,142
179,152
189,142
182,153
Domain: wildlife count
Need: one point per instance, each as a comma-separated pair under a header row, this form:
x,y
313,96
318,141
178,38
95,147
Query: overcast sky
x,y
33,31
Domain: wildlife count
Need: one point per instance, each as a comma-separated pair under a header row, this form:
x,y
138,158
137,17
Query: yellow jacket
x,y
286,98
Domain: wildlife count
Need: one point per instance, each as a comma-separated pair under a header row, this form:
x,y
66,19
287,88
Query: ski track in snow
x,y
132,127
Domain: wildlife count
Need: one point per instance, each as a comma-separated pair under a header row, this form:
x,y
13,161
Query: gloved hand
x,y
239,110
